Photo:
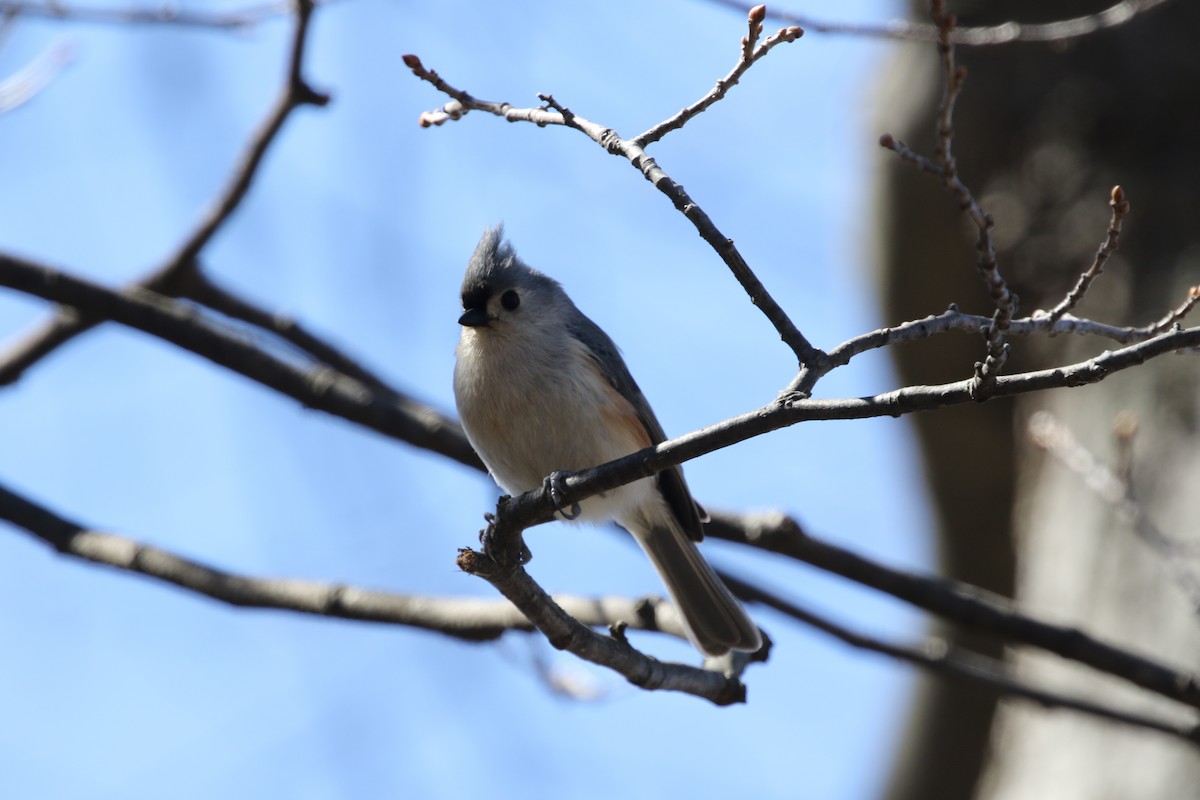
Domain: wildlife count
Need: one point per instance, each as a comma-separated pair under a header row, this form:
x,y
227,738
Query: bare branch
x,y
386,411
536,506
463,618
328,390
1176,316
202,289
1120,210
1004,300
177,269
749,55
940,657
566,633
954,320
982,36
969,606
165,14
945,167
556,114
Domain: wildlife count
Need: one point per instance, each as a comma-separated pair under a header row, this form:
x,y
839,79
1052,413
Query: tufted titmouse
x,y
540,388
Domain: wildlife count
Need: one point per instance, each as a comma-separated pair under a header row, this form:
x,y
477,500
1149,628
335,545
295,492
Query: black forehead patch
x,y
492,257
494,269
476,295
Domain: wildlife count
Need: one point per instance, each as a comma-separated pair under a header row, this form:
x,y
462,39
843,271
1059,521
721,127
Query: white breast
x,y
529,411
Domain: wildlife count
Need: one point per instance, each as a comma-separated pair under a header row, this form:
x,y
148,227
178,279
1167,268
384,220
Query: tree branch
x,y
945,166
941,658
319,386
556,114
969,606
328,390
463,618
1120,210
613,652
749,55
164,14
204,291
179,267
981,36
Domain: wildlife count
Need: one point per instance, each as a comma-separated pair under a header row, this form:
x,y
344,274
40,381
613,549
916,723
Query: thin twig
x,y
989,35
1120,210
1004,299
945,167
1174,317
179,268
555,113
749,54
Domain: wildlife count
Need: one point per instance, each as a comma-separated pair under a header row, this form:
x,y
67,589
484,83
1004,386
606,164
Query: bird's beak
x,y
474,318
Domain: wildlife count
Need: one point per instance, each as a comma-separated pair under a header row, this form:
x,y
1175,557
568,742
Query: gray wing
x,y
670,481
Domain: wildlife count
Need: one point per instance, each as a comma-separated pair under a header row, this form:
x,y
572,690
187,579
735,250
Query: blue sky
x,y
360,224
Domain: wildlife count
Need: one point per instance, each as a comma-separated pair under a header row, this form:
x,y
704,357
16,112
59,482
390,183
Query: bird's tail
x,y
715,621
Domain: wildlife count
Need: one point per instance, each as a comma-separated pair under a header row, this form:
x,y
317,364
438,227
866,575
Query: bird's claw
x,y
488,541
555,484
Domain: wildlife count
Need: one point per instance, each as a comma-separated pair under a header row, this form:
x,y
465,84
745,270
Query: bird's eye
x,y
510,300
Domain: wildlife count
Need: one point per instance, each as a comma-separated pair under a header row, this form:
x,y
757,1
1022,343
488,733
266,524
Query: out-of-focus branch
x,y
179,267
563,620
939,657
969,606
204,291
165,14
464,618
27,82
981,36
1052,435
319,386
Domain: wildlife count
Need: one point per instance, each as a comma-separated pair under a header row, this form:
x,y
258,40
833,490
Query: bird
x,y
542,390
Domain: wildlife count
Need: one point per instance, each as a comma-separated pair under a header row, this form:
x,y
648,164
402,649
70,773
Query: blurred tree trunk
x,y
1043,132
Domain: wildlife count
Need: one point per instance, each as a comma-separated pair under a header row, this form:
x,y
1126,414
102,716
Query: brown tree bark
x,y
1042,133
